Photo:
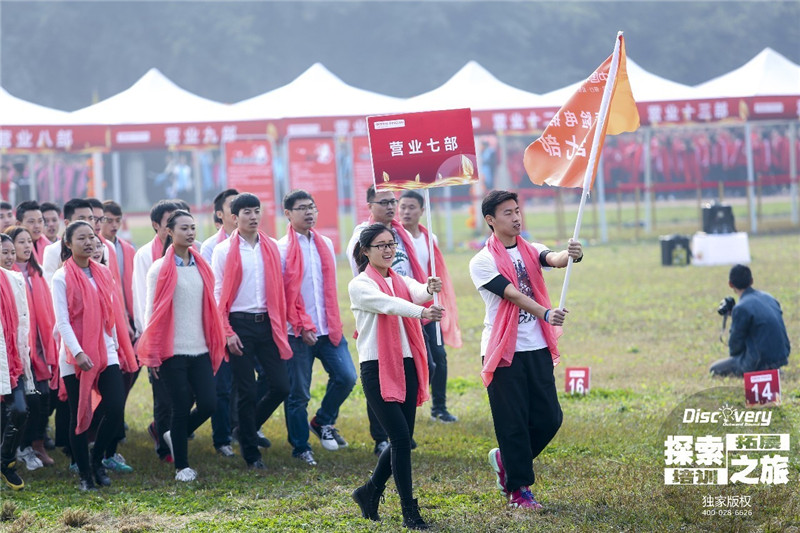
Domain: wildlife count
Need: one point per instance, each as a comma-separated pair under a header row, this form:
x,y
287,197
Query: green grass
x,y
648,332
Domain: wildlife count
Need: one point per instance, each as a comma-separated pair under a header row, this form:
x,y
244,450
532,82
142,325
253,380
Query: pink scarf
x,y
503,340
156,248
10,318
390,347
293,278
40,309
128,253
451,333
156,343
38,247
276,299
91,313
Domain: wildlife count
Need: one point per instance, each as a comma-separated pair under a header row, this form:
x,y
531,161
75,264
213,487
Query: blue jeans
x,y
338,364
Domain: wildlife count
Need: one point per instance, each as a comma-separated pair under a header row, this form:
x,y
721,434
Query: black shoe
x,y
443,415
380,446
10,477
368,496
257,465
87,484
261,440
411,517
100,475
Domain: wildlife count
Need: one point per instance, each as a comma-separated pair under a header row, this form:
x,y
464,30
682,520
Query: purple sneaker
x,y
522,498
497,465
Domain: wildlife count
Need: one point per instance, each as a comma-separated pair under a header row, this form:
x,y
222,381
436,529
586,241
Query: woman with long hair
x,y
86,317
181,346
394,364
44,352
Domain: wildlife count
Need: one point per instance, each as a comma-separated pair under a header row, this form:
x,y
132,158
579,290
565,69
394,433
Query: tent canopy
x,y
153,99
19,112
646,87
317,92
475,87
767,74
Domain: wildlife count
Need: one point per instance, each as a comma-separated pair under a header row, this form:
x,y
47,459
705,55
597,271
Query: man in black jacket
x,y
758,338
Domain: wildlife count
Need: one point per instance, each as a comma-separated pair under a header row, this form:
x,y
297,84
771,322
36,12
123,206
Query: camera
x,y
726,306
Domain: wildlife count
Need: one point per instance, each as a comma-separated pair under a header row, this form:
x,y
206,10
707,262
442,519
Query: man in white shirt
x,y
309,331
250,325
74,209
51,214
518,363
412,207
221,419
144,258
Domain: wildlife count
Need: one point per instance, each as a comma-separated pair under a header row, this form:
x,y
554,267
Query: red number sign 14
x,y
762,387
577,380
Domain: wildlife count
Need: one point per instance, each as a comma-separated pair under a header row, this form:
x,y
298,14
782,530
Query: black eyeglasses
x,y
386,203
310,208
384,246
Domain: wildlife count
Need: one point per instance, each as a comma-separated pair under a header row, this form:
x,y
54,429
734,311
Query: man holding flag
x,y
519,344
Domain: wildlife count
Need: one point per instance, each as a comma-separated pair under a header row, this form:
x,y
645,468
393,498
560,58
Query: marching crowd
x,y
229,329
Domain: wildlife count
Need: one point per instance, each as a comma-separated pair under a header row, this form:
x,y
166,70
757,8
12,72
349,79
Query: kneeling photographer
x,y
758,338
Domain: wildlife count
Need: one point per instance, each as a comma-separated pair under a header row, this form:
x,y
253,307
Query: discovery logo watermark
x,y
728,416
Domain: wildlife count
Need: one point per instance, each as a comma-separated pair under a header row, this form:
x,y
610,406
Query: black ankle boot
x,y
100,475
368,496
411,517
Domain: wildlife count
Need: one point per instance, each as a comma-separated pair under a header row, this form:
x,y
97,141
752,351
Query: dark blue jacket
x,y
758,333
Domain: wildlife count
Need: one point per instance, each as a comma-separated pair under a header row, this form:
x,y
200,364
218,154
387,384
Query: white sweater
x,y
190,338
367,301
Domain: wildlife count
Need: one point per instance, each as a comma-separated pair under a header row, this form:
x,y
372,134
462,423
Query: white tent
x,y
646,87
18,112
153,99
317,92
767,74
475,87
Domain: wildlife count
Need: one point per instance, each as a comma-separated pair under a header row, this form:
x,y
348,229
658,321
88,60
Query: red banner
x,y
27,139
421,150
248,165
362,177
312,167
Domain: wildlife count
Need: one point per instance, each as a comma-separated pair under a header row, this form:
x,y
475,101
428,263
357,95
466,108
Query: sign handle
x,y
432,259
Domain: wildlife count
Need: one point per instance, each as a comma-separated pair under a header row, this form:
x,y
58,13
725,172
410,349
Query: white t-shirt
x,y
423,252
482,270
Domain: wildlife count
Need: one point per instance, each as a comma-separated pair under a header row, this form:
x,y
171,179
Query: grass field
x,y
648,333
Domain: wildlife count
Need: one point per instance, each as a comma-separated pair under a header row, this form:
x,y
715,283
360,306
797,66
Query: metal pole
x,y
432,259
448,216
751,178
116,177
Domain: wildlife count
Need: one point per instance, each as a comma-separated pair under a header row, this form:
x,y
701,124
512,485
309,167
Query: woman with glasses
x,y
394,364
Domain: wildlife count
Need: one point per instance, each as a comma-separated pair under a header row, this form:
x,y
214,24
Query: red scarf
x,y
156,343
10,318
40,309
221,235
38,247
276,299
89,307
124,280
126,352
451,333
292,281
156,248
503,340
390,347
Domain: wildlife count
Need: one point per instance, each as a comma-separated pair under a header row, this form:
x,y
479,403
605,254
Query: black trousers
x,y
188,377
162,413
253,411
38,413
112,390
526,413
398,421
15,413
438,369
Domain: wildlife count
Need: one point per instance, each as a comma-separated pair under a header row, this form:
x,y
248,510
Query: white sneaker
x,y
226,450
308,457
28,456
325,434
187,474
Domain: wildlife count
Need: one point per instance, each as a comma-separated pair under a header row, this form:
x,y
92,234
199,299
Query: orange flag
x,y
560,156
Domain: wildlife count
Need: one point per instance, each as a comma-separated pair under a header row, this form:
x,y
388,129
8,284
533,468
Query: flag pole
x,y
598,134
432,258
